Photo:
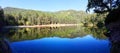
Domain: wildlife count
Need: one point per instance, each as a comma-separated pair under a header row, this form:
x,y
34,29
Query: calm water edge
x,y
58,40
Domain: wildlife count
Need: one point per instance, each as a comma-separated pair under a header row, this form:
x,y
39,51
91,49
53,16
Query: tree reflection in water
x,y
63,32
115,48
4,46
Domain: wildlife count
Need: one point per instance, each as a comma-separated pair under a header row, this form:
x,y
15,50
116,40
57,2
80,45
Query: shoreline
x,y
49,25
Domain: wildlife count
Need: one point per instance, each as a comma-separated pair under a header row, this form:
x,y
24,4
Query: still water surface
x,y
58,40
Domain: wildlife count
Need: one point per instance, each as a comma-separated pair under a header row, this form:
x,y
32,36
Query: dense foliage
x,y
101,6
1,17
16,16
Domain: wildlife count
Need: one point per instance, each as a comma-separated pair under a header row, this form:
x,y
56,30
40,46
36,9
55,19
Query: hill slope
x,y
17,16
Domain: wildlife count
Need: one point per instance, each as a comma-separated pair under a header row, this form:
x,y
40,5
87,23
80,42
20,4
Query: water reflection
x,y
97,32
58,40
63,32
115,48
4,46
86,44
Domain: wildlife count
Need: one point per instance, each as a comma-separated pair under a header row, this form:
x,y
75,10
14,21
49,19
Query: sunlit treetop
x,y
101,6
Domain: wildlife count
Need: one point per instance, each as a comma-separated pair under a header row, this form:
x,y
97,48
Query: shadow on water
x,y
102,32
115,48
4,42
4,46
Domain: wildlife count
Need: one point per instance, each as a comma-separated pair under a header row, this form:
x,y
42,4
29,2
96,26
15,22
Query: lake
x,y
74,39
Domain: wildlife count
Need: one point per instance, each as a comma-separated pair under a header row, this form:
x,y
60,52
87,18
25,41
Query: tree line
x,y
17,16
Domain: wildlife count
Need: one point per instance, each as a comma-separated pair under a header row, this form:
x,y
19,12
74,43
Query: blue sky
x,y
46,5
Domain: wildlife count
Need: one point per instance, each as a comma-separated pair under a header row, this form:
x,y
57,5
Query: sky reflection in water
x,y
86,44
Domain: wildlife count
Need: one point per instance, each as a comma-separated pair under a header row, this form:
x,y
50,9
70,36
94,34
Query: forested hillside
x,y
17,16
